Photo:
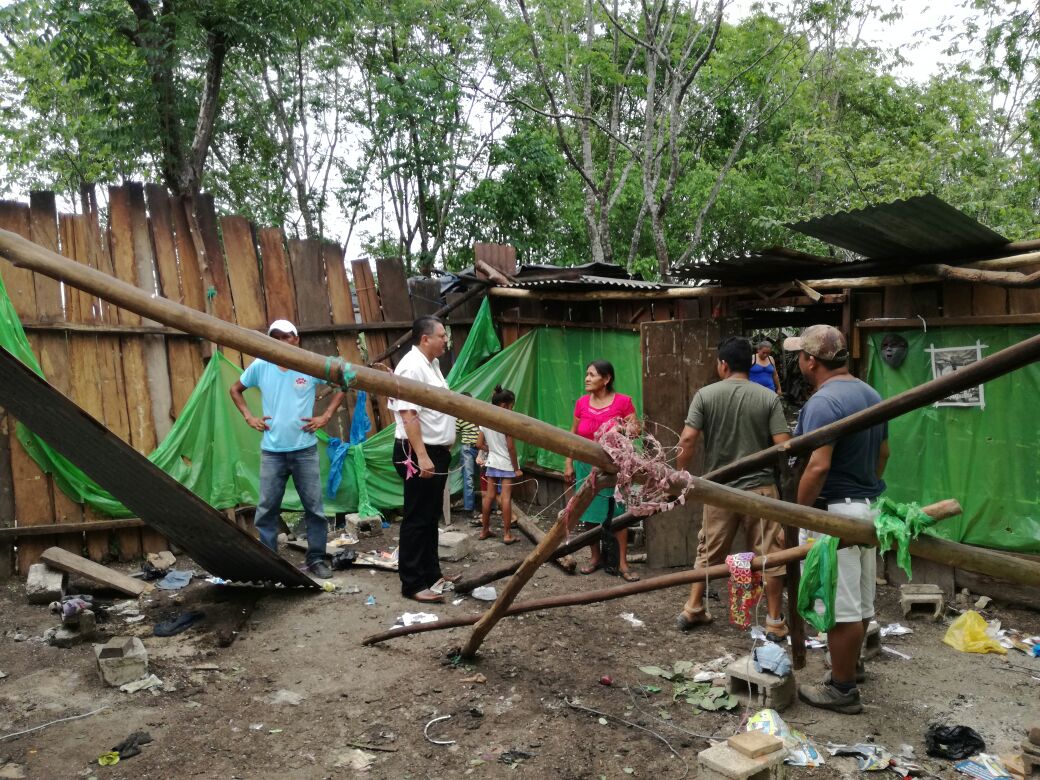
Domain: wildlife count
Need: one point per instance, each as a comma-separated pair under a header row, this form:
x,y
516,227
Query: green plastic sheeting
x,y
210,449
985,458
545,369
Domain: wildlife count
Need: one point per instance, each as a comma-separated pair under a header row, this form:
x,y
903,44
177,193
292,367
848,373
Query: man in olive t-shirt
x,y
735,417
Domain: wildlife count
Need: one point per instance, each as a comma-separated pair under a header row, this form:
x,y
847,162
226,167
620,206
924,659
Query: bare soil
x,y
220,719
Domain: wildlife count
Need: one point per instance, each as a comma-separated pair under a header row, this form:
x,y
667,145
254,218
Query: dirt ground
x,y
276,684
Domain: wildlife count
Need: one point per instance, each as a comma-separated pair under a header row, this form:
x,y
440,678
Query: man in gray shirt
x,y
842,477
735,417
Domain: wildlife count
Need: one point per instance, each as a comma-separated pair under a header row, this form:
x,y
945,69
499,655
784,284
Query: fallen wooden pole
x,y
940,511
575,508
530,529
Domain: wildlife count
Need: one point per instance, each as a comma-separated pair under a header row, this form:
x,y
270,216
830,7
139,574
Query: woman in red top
x,y
601,406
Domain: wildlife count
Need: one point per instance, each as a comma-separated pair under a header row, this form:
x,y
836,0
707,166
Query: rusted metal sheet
x,y
205,534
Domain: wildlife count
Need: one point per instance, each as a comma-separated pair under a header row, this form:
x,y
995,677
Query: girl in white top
x,y
498,455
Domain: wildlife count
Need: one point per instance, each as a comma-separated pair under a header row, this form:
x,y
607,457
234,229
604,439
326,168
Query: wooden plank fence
x,y
135,376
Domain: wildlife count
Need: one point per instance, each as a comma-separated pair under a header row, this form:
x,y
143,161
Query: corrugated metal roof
x,y
923,225
585,283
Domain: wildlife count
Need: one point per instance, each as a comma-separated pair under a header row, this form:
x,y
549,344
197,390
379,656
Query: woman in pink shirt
x,y
601,406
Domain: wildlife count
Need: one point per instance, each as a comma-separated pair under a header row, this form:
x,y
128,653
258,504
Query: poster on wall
x,y
946,360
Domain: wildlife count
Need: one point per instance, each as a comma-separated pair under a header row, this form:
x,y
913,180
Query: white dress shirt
x,y
437,427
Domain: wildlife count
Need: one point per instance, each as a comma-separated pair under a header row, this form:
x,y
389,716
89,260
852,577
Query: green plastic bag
x,y
897,525
968,634
819,583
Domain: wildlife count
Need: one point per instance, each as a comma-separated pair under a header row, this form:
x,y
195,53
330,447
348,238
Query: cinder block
x,y
721,762
758,689
871,642
121,660
84,630
928,597
453,545
364,527
44,584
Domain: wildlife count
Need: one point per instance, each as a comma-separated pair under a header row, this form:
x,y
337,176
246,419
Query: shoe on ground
x,y
827,697
861,672
776,632
320,569
685,622
428,597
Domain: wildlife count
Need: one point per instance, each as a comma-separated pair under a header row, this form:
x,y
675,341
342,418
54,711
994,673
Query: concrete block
x,y
121,660
871,642
453,545
163,561
926,597
364,527
758,689
721,762
84,630
44,584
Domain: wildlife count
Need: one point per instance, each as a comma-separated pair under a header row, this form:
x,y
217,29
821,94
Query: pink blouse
x,y
590,419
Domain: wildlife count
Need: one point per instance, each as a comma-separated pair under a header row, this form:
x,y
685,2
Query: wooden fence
x,y
136,376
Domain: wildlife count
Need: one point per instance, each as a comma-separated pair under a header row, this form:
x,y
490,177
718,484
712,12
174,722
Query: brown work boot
x,y
686,621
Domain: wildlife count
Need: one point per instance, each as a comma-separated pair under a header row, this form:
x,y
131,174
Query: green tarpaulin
x,y
545,369
987,458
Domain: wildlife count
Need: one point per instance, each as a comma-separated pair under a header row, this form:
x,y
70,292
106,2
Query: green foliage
x,y
432,120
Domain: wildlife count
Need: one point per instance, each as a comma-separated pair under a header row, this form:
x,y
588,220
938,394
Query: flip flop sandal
x,y
591,569
513,540
629,576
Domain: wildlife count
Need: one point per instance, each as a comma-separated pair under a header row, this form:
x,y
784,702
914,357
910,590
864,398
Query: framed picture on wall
x,y
946,360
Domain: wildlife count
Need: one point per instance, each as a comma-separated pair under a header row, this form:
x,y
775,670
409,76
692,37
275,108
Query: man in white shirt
x,y
422,455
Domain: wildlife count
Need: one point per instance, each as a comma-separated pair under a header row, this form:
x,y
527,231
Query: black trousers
x,y
417,562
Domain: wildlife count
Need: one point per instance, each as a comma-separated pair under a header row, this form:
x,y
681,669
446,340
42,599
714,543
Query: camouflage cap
x,y
824,342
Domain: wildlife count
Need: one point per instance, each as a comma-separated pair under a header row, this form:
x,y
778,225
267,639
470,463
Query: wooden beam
x,y
75,564
23,531
938,322
799,300
539,323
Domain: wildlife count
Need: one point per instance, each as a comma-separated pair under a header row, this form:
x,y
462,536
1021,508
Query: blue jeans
x,y
468,462
275,470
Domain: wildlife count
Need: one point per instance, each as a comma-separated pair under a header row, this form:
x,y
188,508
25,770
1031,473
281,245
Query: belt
x,y
821,503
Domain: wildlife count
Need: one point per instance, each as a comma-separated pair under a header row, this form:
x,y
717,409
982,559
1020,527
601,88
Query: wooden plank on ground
x,y
32,489
375,341
307,261
278,285
74,564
